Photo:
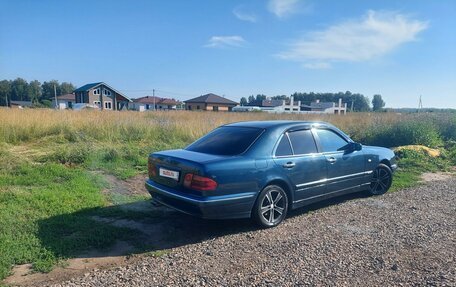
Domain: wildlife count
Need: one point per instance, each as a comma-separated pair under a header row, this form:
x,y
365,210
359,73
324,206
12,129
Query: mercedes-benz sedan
x,y
263,169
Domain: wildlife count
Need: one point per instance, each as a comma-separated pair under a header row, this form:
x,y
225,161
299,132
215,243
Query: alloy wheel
x,y
381,180
273,206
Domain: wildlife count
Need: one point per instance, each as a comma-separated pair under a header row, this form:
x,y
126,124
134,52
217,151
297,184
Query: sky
x,y
183,49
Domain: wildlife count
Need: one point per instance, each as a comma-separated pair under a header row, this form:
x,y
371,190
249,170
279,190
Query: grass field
x,y
52,165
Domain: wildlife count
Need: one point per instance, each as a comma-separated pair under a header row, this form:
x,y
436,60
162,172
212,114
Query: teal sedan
x,y
263,169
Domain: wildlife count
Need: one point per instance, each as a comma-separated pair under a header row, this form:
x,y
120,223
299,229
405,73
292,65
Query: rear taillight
x,y
200,183
152,169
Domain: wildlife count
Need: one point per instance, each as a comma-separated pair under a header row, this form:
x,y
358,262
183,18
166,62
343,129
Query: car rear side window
x,y
226,141
302,142
284,147
330,141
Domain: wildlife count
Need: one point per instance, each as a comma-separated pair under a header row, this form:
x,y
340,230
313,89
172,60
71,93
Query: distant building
x,y
155,103
326,107
64,101
291,106
20,104
102,95
280,106
210,102
246,109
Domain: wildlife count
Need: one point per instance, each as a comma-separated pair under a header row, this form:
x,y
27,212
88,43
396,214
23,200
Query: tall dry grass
x,y
27,125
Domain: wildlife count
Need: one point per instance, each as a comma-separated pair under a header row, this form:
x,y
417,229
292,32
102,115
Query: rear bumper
x,y
237,205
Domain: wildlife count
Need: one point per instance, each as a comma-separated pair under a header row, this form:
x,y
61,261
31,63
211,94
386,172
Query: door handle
x,y
289,165
331,160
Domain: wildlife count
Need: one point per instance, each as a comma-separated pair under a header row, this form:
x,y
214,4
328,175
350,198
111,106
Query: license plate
x,y
169,173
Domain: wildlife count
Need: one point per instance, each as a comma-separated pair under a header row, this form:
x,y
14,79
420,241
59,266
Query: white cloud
x,y
317,65
283,8
225,41
374,35
244,16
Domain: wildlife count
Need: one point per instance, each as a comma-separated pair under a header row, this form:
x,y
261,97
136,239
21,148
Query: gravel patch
x,y
405,238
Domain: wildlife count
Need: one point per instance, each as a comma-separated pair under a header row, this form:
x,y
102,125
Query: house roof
x,y
87,87
271,103
156,100
21,103
68,97
211,99
147,100
170,102
321,105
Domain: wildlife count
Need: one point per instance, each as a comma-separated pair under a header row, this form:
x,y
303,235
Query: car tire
x,y
382,179
271,206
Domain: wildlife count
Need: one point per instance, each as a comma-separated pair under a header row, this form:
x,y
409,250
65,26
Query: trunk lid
x,y
171,166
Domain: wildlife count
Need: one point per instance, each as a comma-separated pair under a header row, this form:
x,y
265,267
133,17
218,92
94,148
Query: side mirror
x,y
357,146
350,147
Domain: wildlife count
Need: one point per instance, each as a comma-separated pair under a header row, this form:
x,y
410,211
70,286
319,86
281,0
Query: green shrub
x,y
70,155
408,132
111,155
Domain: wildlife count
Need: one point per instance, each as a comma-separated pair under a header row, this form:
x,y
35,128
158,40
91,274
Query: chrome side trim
x,y
209,200
325,194
334,178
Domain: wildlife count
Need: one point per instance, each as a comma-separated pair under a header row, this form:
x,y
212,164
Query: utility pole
x,y
55,97
153,95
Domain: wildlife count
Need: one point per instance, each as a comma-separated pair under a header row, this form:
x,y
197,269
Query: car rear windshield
x,y
226,141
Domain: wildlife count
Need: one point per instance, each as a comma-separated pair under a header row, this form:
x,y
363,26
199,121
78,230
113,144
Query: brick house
x,y
103,96
210,102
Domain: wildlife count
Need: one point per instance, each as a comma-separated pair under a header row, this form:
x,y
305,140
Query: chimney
x,y
291,101
340,102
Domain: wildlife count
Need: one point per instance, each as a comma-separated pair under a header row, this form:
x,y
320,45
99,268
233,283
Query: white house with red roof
x,y
150,103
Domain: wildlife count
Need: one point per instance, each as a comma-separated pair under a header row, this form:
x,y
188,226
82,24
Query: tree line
x,y
36,92
355,102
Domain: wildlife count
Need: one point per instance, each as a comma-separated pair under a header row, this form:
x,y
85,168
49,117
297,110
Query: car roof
x,y
276,124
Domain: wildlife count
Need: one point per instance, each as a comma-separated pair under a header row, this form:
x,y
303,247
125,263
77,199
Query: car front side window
x,y
330,141
302,142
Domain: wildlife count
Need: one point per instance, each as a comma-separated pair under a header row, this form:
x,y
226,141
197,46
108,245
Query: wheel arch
x,y
386,162
285,186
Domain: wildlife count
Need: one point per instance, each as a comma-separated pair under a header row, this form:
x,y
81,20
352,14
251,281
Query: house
x,y
246,109
326,107
280,106
291,106
155,103
103,96
64,102
20,104
210,102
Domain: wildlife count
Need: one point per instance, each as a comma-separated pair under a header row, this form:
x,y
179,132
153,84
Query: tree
x,y
19,90
34,91
377,103
251,100
244,101
280,97
5,90
259,100
48,89
66,88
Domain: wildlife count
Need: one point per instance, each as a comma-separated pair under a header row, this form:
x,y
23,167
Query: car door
x,y
305,168
346,167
